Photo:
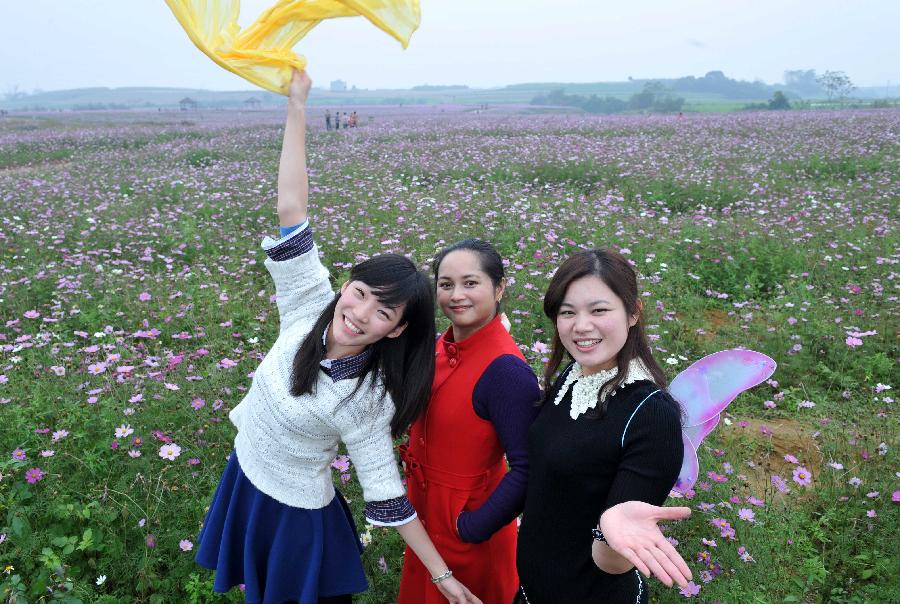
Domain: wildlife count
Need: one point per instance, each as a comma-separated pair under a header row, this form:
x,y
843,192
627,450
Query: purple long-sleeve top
x,y
506,395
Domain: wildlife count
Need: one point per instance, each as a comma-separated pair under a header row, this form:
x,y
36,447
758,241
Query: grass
x,y
141,255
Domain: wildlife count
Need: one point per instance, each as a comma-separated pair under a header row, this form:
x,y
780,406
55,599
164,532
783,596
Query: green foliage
x,y
654,98
201,158
819,168
779,101
740,241
23,154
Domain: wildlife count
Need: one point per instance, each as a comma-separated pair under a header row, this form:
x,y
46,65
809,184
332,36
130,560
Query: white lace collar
x,y
586,387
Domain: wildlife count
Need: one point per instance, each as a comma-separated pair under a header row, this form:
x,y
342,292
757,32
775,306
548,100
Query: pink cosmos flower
x,y
31,314
19,455
341,463
779,483
144,296
124,430
186,545
853,342
540,348
802,476
169,451
227,363
197,404
854,481
791,459
747,515
48,453
34,475
895,497
871,514
690,590
96,368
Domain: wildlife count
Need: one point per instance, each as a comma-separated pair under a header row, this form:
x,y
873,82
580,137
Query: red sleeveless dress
x,y
454,461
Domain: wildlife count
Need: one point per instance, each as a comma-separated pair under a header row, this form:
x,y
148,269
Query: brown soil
x,y
787,436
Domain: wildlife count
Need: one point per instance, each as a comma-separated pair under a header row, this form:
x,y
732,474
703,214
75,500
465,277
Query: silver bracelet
x,y
443,577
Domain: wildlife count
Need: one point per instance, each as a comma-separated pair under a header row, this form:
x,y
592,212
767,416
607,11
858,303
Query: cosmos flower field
x,y
134,308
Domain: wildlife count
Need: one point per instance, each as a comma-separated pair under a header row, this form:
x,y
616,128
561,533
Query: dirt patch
x,y
20,170
716,318
770,441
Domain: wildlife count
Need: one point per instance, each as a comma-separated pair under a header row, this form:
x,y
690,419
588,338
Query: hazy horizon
x,y
51,46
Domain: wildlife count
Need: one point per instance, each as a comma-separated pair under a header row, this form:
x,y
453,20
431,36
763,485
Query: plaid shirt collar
x,y
346,367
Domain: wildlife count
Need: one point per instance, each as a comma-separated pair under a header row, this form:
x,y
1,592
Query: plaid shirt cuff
x,y
295,243
393,512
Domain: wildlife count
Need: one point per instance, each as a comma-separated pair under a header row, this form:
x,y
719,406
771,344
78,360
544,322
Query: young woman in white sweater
x,y
354,366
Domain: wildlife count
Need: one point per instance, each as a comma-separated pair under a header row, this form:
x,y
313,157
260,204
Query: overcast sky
x,y
60,44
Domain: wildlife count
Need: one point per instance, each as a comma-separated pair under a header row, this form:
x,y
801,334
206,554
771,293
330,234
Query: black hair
x,y
488,258
405,364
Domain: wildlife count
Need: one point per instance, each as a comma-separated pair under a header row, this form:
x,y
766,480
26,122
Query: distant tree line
x,y
430,88
654,98
779,101
716,82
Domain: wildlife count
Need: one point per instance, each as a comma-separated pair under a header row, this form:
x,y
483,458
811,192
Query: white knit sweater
x,y
285,444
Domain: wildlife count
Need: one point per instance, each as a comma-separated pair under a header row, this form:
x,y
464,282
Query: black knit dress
x,y
580,468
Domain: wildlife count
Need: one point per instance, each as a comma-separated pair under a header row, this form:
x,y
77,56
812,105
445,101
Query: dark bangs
x,y
392,278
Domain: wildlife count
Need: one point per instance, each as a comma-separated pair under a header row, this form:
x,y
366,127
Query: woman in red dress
x,y
482,403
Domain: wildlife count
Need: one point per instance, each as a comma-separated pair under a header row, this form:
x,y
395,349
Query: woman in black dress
x,y
605,447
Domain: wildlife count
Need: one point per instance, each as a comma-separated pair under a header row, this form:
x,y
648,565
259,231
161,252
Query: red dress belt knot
x,y
419,471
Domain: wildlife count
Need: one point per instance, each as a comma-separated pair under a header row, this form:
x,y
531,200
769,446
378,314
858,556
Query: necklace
x,y
585,388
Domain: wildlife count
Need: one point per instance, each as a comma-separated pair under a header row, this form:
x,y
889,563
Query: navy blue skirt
x,y
277,551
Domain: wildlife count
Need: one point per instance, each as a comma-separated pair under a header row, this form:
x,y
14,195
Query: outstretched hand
x,y
300,85
456,592
631,530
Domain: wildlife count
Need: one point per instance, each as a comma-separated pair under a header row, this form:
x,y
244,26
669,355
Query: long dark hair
x,y
488,257
405,364
613,269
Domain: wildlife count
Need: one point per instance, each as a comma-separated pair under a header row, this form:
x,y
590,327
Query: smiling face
x,y
465,293
361,319
593,324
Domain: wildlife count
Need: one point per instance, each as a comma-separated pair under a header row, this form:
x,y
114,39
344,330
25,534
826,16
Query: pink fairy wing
x,y
696,434
690,467
708,386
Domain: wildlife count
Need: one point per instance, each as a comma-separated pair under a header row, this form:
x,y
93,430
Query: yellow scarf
x,y
262,52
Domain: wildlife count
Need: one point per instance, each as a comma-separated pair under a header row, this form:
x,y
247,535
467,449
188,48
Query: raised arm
x,y
293,181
